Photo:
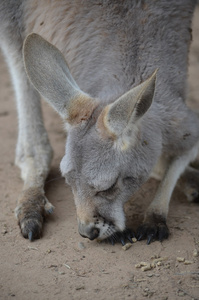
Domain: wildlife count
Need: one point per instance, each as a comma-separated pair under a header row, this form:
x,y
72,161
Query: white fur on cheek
x,y
118,216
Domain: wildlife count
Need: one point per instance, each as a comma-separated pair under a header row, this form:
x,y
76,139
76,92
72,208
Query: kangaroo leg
x,y
33,152
154,225
188,184
188,181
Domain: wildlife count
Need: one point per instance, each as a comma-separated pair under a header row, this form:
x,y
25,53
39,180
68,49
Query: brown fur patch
x,y
80,109
32,194
85,212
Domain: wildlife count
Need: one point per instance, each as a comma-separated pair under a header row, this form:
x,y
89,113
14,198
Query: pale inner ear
x,y
118,118
49,73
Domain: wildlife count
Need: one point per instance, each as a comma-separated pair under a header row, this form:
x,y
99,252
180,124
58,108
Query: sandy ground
x,y
62,265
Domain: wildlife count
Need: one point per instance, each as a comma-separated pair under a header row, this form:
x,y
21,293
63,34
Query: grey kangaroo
x,y
118,81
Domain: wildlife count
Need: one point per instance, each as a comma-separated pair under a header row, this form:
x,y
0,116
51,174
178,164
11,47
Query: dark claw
x,y
121,237
111,240
141,233
150,237
163,233
140,237
50,211
129,232
122,241
151,234
129,235
129,239
32,228
30,236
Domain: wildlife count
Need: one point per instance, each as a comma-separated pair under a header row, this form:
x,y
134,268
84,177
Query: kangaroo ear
x,y
118,118
50,75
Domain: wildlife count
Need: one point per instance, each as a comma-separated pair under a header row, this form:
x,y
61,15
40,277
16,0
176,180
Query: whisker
x,y
57,178
109,232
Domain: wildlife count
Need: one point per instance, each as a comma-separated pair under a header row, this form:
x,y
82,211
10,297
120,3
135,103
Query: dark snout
x,y
88,231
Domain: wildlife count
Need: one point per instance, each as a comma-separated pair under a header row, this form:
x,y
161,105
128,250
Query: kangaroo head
x,y
108,154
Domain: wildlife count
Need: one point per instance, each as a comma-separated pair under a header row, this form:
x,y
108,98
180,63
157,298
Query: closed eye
x,y
130,181
108,193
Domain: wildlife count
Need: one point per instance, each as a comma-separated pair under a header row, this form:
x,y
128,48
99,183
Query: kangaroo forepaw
x,y
152,231
33,207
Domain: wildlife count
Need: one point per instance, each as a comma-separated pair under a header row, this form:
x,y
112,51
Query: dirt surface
x,y
62,265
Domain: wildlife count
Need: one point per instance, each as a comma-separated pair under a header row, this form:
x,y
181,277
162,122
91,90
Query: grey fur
x,y
111,47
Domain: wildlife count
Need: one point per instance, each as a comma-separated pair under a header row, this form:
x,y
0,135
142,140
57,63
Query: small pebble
x,y
181,294
188,262
155,256
146,268
167,266
195,253
67,266
81,245
134,240
159,259
143,263
80,288
62,273
150,275
126,246
180,259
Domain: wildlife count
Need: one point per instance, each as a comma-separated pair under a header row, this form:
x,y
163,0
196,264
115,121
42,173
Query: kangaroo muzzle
x,y
88,231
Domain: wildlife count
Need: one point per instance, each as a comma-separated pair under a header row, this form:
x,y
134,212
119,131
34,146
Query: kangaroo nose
x,y
88,232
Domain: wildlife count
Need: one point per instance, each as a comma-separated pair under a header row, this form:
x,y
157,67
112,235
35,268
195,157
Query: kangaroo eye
x,y
108,193
129,180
